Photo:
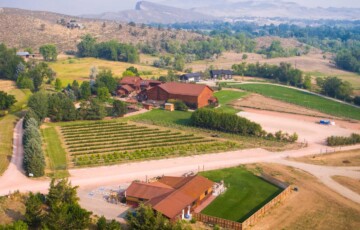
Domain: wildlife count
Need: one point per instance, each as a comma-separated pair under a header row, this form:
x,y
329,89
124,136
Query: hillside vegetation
x,y
34,28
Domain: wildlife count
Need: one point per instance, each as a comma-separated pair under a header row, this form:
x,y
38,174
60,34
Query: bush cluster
x,y
34,160
225,122
179,105
339,140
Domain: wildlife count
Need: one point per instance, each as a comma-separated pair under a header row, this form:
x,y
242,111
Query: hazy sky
x,y
77,7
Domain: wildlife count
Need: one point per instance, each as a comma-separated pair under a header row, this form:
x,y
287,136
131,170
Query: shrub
x,y
179,105
338,140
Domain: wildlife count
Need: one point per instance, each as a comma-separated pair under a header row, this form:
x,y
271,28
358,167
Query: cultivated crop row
x,y
111,142
123,156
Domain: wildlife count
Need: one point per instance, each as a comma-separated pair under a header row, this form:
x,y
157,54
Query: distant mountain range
x,y
172,11
148,12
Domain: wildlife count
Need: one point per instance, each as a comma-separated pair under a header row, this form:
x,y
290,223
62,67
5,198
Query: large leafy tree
x,y
105,78
8,62
86,48
38,102
85,90
49,52
6,100
119,108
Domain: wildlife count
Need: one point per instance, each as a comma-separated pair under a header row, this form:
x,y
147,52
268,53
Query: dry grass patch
x,y
12,208
256,101
351,183
78,69
6,85
314,206
346,158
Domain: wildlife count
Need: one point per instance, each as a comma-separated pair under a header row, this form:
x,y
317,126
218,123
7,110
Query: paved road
x,y
89,178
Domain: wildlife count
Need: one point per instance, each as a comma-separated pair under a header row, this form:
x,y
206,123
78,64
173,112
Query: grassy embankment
x,y
225,98
7,124
78,69
245,194
302,98
56,155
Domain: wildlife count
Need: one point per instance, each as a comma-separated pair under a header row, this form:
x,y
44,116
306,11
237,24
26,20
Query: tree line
x,y
34,159
111,50
283,73
349,58
232,123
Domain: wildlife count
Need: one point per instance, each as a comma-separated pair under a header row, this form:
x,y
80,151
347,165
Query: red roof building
x,y
171,196
194,95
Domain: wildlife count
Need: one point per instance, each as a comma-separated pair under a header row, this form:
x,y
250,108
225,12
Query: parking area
x,y
102,202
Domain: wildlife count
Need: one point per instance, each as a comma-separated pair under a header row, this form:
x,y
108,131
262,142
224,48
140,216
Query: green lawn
x,y
245,195
227,96
55,153
303,99
7,125
159,116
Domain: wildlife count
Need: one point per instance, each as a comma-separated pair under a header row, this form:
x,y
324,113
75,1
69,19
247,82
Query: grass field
x,y
304,99
245,195
56,155
7,124
111,142
227,96
79,68
159,116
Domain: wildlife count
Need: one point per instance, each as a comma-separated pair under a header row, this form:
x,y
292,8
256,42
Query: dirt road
x,y
90,178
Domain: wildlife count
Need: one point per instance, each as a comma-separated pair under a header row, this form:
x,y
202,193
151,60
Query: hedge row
x,y
225,122
34,160
338,140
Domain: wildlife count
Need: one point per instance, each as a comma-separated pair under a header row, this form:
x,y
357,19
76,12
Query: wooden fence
x,y
254,217
228,224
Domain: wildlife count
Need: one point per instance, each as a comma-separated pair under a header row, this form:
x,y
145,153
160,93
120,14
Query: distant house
x,y
146,84
174,197
190,77
129,85
221,74
194,95
25,55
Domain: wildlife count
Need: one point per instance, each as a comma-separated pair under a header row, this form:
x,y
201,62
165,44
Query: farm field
x,y
56,155
178,120
7,124
78,69
302,98
226,97
111,142
245,195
